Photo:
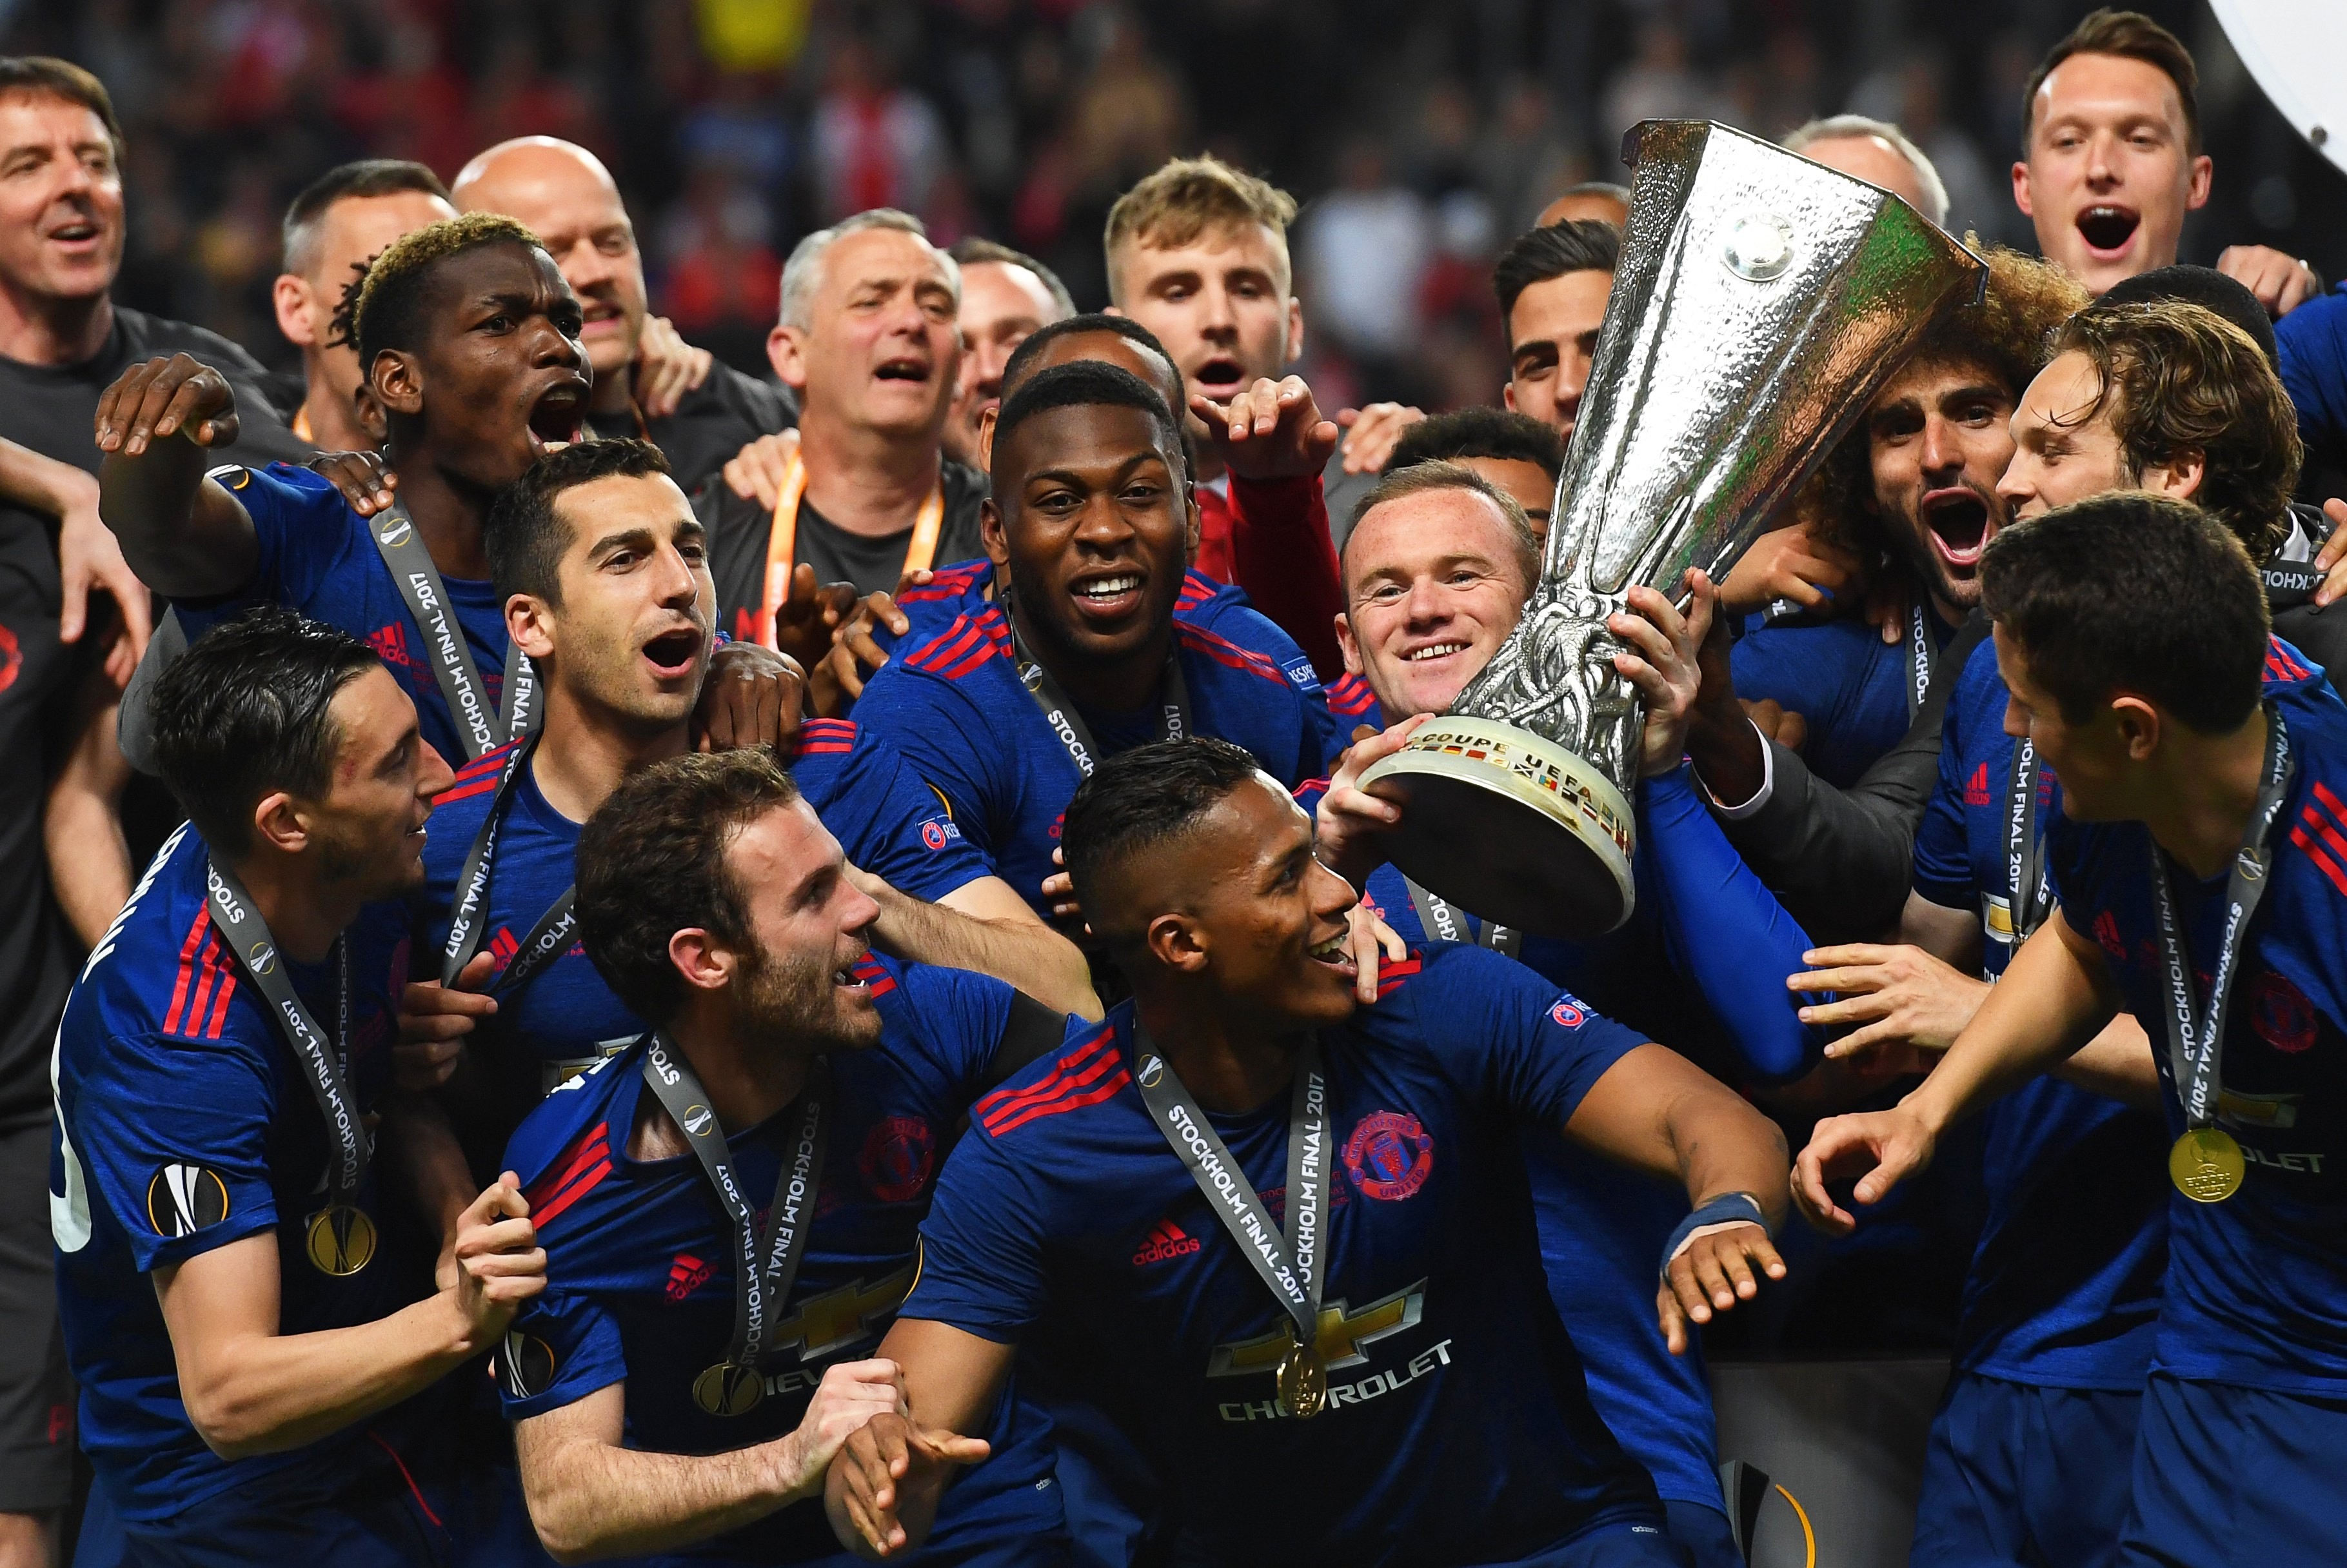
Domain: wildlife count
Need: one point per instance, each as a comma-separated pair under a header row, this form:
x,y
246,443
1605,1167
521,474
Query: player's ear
x,y
2138,725
1348,645
277,822
700,958
990,531
529,622
1175,940
985,438
397,381
786,351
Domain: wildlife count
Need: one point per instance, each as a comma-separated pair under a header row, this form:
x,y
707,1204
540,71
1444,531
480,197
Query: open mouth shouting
x,y
903,367
1960,523
556,417
675,655
2108,229
1334,955
76,233
1220,378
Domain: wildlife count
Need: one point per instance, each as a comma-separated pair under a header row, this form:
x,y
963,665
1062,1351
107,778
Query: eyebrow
x,y
640,536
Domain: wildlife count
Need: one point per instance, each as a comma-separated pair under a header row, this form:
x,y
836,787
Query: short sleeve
x,y
562,1347
299,523
1511,1036
904,831
962,1015
1944,873
174,1136
981,1264
937,731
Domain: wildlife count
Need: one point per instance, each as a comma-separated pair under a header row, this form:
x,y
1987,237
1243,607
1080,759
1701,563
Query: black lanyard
x,y
2024,849
1173,716
764,1266
1919,658
1447,924
401,544
341,1236
2196,1048
1290,1263
468,922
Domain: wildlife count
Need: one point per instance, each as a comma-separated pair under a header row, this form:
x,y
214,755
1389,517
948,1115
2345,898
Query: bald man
x,y
648,382
1878,152
1593,201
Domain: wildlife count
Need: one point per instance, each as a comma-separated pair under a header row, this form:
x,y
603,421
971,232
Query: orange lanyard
x,y
782,539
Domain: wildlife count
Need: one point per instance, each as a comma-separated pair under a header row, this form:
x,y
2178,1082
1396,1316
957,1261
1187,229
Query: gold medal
x,y
2205,1165
726,1389
1302,1383
341,1240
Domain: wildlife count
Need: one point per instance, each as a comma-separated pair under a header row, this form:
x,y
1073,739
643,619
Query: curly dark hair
x,y
2176,377
2006,334
378,308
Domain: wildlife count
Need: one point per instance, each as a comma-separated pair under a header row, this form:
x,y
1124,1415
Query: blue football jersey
x,y
2256,1285
1841,677
955,706
885,818
184,1122
1459,1426
317,557
639,1275
2065,1284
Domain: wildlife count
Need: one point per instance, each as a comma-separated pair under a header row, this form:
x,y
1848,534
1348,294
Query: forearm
x,y
2048,1003
264,1393
43,484
2118,1065
1283,554
592,1500
1722,1145
1017,947
184,538
1840,861
89,860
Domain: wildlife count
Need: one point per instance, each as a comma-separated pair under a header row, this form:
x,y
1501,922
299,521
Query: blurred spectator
x,y
875,143
1657,83
1366,247
1877,151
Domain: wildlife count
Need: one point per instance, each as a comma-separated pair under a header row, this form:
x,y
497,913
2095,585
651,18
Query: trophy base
x,y
1509,827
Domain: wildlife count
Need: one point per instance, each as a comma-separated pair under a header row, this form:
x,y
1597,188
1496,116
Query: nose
x,y
584,266
1216,318
2016,722
1939,451
1424,604
433,774
857,911
1102,526
2013,487
1331,894
679,585
2100,170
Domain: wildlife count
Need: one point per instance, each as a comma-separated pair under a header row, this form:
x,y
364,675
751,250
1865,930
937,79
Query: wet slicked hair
x,y
1575,245
1138,800
246,711
383,309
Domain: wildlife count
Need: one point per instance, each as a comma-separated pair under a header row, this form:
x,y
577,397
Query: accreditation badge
x,y
2205,1165
341,1240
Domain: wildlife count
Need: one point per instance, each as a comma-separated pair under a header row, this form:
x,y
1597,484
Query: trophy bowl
x,y
1762,300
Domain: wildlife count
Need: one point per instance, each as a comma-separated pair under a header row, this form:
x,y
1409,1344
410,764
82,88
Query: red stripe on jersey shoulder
x,y
1350,695
2321,832
583,1163
950,583
1087,1075
466,790
972,638
489,762
2281,662
1391,976
197,928
825,738
868,970
1197,588
1223,651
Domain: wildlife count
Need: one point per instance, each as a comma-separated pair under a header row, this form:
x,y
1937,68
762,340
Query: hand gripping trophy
x,y
1761,302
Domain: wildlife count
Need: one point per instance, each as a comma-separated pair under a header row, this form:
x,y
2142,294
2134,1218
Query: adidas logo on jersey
x,y
390,643
1976,786
1167,1241
685,1275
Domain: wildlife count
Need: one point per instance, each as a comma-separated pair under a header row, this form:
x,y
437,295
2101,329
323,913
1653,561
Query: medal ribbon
x,y
2196,1049
401,544
245,934
1446,923
764,1267
1290,1262
1919,657
1060,712
2024,852
468,924
783,541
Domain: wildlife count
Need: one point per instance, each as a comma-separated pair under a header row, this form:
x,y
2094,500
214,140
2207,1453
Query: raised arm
x,y
250,1390
984,926
184,536
884,1485
590,1495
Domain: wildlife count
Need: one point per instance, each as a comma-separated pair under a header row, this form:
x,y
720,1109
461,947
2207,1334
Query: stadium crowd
x,y
784,955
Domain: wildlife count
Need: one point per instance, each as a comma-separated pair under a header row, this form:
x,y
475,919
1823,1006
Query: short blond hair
x,y
1189,196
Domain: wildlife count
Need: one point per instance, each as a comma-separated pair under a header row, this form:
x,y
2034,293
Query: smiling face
x,y
1089,524
367,830
629,635
1269,918
1551,339
2110,173
1002,305
1938,439
500,373
882,351
565,197
60,198
808,930
1434,582
1220,304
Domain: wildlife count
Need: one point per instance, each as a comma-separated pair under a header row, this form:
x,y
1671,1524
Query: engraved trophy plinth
x,y
1761,302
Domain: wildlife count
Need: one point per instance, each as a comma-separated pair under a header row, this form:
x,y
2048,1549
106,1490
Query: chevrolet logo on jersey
x,y
840,1317
1341,1336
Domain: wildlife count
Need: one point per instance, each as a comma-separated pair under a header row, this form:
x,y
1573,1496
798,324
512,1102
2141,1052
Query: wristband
x,y
1727,1209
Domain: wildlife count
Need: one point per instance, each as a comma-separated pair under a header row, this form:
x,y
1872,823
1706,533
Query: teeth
x,y
1435,651
1110,586
1334,948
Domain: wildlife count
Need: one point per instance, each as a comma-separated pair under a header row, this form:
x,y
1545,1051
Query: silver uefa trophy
x,y
1761,302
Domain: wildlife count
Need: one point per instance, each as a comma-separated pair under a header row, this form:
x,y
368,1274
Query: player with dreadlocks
x,y
468,339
